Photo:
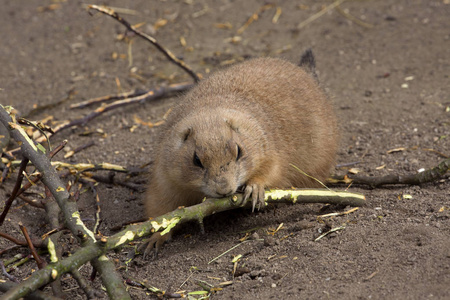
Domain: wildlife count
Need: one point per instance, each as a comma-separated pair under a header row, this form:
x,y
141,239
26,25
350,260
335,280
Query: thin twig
x,y
42,128
12,239
107,98
6,274
254,17
10,200
150,95
35,180
166,52
157,292
426,176
78,149
54,151
84,167
41,264
31,202
353,18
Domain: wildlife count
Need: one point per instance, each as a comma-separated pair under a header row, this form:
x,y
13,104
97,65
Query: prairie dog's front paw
x,y
257,193
154,243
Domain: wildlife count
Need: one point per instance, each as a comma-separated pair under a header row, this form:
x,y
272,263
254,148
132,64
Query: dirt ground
x,y
387,75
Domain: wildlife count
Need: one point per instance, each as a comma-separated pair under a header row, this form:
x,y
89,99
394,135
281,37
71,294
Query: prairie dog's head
x,y
206,153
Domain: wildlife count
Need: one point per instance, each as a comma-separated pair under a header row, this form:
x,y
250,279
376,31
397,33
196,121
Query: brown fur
x,y
246,124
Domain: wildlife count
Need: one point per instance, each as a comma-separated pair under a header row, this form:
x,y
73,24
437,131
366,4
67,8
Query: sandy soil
x,y
390,85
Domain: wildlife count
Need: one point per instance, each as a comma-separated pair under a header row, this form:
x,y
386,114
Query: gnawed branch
x,y
426,176
165,222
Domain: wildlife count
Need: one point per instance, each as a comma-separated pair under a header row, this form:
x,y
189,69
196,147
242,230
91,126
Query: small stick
x,y
339,213
10,200
166,52
78,149
6,274
33,203
57,149
107,98
22,259
12,239
234,247
83,167
328,232
157,292
32,181
353,18
150,95
437,152
42,128
429,175
254,17
41,264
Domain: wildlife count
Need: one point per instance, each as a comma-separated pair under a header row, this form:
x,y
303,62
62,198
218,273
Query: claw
x,y
154,244
255,198
257,193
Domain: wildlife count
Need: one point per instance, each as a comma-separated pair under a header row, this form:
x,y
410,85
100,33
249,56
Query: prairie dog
x,y
244,126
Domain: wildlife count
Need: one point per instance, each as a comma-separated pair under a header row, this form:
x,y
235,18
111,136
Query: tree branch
x,y
172,58
426,176
51,179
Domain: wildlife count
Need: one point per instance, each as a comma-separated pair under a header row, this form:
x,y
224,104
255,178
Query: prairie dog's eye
x,y
197,161
239,152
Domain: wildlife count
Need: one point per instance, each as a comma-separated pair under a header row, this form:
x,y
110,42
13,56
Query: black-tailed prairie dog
x,y
244,127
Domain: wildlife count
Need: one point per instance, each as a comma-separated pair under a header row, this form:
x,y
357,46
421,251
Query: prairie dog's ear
x,y
184,135
233,124
308,62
